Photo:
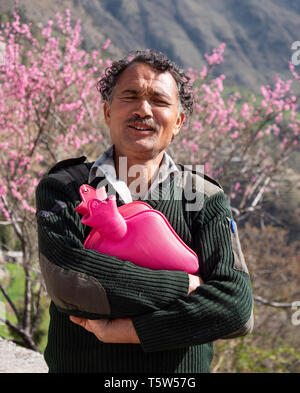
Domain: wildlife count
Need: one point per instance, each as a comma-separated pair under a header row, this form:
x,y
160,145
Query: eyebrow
x,y
153,92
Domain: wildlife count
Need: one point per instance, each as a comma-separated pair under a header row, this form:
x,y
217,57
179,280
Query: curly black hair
x,y
158,61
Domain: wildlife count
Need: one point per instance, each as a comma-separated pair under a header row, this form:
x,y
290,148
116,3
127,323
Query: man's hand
x,y
119,330
195,282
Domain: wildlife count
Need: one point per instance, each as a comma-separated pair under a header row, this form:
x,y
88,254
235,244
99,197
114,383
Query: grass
x,y
15,286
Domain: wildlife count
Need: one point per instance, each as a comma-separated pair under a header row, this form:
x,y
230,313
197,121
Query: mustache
x,y
150,123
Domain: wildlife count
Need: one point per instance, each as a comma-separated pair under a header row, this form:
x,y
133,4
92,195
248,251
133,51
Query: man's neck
x,y
137,173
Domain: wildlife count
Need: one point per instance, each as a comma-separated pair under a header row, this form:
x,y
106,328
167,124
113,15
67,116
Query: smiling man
x,y
109,315
143,114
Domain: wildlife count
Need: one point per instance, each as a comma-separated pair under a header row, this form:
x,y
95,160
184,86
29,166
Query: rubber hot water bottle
x,y
133,232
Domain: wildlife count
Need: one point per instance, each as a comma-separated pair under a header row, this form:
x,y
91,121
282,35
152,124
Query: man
x,y
109,315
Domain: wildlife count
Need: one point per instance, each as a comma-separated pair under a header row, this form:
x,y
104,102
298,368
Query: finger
x,y
78,321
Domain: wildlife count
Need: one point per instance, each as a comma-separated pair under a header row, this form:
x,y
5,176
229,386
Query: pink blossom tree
x,y
242,141
49,110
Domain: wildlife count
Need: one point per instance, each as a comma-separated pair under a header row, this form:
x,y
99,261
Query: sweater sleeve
x,y
222,306
84,282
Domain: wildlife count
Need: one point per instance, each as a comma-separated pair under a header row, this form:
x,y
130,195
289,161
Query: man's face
x,y
143,115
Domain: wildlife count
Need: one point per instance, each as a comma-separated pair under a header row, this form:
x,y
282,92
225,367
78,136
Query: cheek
x,y
166,118
169,122
118,116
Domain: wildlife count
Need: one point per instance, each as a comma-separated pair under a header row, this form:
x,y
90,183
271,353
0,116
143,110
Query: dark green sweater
x,y
176,331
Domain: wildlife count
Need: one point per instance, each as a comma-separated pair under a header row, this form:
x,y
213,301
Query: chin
x,y
142,145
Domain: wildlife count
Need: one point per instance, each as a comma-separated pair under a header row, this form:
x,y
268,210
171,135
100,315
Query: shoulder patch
x,y
244,330
69,170
211,188
199,180
72,290
239,260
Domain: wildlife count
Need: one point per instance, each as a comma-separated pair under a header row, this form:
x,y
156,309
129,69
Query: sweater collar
x,y
104,167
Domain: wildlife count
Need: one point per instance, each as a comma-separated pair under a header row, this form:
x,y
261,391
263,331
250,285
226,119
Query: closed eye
x,y
160,102
155,100
129,98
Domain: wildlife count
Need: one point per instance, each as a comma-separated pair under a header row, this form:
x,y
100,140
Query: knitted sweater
x,y
176,330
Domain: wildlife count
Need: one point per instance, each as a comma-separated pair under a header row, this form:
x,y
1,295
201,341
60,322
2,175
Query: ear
x,y
178,123
106,111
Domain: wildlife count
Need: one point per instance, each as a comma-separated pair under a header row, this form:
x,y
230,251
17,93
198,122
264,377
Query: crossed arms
x,y
89,285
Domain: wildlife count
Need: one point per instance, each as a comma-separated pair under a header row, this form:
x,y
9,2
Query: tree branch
x,y
7,297
266,302
27,340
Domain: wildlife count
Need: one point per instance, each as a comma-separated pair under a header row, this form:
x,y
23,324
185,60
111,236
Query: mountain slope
x,y
258,33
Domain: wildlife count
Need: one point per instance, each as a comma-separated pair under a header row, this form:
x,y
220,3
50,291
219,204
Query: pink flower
x,y
203,72
39,158
235,135
259,135
193,146
216,57
3,190
237,186
276,130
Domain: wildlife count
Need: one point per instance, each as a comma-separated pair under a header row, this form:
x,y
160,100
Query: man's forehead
x,y
138,75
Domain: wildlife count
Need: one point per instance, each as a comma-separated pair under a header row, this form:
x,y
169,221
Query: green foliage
x,y
16,285
243,356
8,239
15,288
274,269
40,334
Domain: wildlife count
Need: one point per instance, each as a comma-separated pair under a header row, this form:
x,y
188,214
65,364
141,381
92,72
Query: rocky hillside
x,y
258,33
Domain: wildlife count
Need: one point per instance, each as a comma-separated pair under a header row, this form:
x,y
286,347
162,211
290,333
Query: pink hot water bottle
x,y
133,232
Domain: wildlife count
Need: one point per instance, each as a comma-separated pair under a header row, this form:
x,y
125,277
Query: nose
x,y
143,109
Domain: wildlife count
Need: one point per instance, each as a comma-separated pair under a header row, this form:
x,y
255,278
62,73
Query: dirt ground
x,y
16,359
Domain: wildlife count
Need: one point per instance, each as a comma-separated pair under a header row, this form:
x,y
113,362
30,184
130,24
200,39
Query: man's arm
x,y
121,330
84,282
221,308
